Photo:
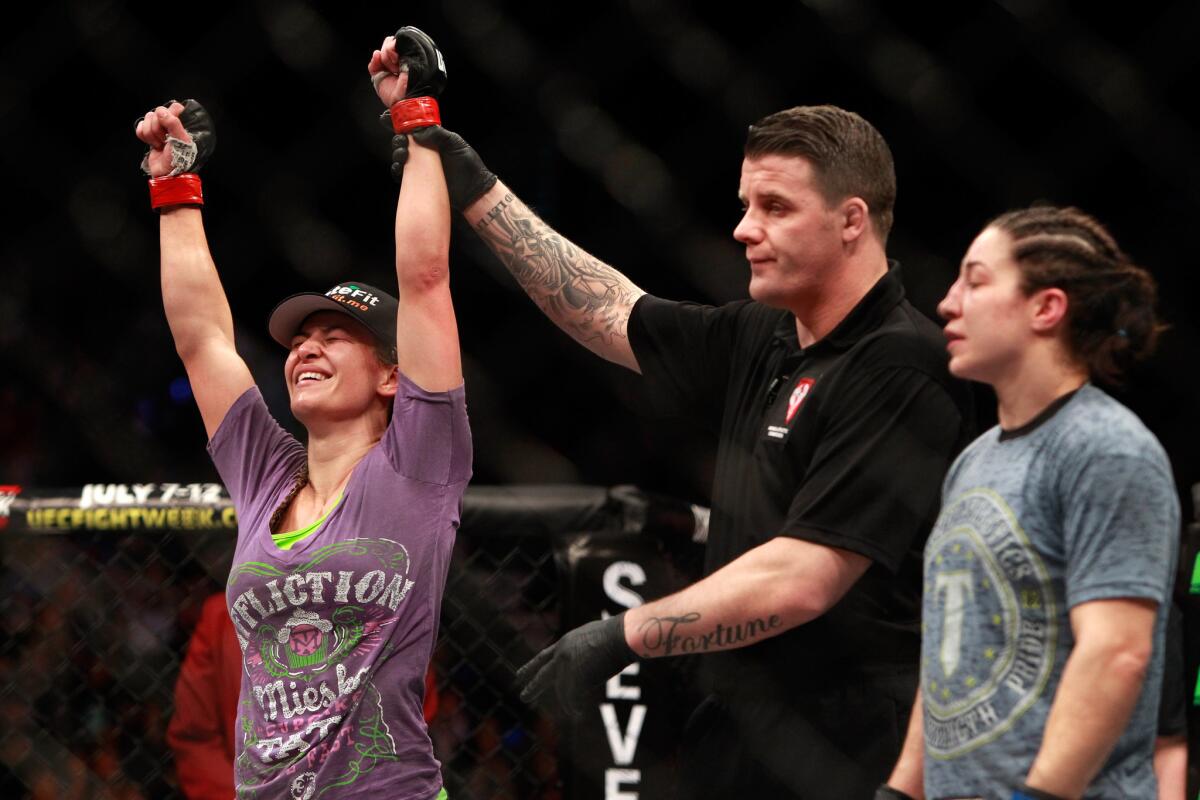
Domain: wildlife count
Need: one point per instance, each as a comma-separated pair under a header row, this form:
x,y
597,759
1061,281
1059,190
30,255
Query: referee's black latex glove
x,y
885,792
558,679
466,176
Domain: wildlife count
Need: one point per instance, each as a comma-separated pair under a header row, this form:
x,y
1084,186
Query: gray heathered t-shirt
x,y
1081,507
337,632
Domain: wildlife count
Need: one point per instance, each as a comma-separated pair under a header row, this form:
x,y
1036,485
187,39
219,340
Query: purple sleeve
x,y
429,438
251,452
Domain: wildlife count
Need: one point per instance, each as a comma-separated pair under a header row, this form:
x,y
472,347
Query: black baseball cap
x,y
373,307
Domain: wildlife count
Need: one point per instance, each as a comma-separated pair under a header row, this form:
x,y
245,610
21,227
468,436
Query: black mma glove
x,y
558,679
467,178
1026,792
189,157
885,792
426,67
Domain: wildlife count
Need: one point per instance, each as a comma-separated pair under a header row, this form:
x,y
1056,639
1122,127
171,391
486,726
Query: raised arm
x,y
427,349
197,310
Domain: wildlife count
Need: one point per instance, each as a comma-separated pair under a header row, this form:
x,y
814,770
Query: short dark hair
x,y
385,352
1111,319
386,355
848,154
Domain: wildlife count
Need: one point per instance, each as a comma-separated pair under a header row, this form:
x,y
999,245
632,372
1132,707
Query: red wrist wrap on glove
x,y
415,112
180,190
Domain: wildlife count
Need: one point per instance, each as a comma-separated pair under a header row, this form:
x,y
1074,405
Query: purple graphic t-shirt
x,y
337,632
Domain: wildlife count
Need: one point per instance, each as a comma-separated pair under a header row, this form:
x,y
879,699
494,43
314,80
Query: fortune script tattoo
x,y
660,635
586,297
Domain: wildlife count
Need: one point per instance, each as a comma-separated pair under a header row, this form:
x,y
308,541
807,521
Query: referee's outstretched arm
x,y
587,298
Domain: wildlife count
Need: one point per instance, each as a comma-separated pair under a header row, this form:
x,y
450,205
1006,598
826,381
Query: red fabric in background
x,y
200,732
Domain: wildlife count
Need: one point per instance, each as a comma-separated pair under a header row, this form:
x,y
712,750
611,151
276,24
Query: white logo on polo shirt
x,y
803,387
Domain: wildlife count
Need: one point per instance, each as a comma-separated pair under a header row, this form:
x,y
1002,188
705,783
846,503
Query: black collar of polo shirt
x,y
862,319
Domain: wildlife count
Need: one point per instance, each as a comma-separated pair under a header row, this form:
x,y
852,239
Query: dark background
x,y
621,122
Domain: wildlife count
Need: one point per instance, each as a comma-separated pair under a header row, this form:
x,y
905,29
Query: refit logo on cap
x,y
351,295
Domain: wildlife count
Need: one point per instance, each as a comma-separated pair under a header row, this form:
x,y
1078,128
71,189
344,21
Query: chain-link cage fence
x,y
99,606
93,626
501,604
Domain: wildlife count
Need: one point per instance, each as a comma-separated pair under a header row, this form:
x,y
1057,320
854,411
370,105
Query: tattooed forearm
x,y
584,296
495,212
664,636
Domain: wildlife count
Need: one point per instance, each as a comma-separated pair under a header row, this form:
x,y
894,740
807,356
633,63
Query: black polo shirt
x,y
843,443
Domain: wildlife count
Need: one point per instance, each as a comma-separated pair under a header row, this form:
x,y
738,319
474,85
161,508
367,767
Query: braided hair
x,y
1111,320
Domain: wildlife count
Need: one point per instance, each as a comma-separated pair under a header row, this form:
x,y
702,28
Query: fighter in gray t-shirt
x,y
1078,506
1047,574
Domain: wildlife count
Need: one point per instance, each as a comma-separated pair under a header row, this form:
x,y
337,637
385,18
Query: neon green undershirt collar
x,y
286,539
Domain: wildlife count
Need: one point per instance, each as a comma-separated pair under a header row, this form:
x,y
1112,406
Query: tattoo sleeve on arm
x,y
666,636
585,297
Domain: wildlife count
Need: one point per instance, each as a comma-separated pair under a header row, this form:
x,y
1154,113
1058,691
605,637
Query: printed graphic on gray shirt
x,y
989,623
